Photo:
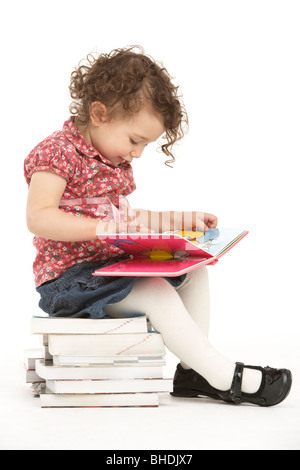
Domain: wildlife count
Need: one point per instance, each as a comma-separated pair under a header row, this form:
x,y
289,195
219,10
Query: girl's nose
x,y
136,153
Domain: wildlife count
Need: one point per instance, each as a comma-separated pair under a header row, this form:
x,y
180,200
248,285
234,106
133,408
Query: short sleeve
x,y
128,183
50,156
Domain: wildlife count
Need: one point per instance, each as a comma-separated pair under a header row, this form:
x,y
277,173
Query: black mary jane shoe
x,y
275,386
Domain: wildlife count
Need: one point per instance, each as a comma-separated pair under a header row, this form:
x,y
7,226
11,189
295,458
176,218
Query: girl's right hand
x,y
131,226
122,220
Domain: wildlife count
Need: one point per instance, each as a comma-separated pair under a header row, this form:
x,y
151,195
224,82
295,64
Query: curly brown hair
x,y
121,80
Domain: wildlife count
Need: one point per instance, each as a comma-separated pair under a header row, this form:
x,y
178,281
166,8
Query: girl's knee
x,y
154,292
197,277
200,273
154,286
146,294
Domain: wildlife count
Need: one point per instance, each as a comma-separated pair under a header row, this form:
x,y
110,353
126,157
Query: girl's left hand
x,y
195,221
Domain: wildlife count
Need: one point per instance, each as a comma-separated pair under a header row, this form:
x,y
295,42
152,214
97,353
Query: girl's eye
x,y
133,142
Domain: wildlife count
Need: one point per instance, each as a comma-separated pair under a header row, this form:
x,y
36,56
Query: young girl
x,y
123,101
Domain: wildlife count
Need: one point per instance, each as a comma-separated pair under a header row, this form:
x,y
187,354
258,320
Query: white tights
x,y
181,315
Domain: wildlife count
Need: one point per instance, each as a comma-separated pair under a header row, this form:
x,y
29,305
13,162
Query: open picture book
x,y
168,254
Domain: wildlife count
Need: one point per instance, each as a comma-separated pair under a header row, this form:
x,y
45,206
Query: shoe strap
x,y
235,392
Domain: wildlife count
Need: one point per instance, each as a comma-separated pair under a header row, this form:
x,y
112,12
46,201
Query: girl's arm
x,y
160,222
46,220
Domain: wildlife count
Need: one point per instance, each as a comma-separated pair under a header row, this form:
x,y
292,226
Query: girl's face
x,y
121,140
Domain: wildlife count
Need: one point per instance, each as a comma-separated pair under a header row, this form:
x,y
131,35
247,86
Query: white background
x,y
237,65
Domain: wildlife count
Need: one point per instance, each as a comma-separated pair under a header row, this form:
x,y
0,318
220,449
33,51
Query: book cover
x,y
169,254
31,376
30,356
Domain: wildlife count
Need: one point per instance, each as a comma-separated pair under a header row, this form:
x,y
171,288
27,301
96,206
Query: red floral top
x,y
88,176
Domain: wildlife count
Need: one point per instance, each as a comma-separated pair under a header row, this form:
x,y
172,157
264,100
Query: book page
x,y
216,241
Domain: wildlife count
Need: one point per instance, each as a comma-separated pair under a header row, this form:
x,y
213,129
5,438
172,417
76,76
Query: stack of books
x,y
97,363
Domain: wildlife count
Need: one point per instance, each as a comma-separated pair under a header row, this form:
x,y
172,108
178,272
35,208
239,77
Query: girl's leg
x,y
167,313
194,293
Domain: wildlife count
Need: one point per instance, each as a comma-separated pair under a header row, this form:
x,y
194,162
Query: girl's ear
x,y
98,113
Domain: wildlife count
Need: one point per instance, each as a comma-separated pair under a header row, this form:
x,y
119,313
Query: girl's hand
x,y
130,226
209,220
121,220
194,220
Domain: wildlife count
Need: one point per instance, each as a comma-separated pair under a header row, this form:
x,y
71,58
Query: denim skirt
x,y
77,293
